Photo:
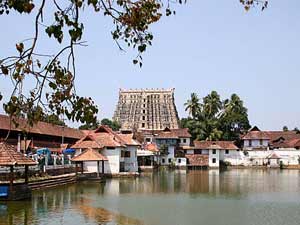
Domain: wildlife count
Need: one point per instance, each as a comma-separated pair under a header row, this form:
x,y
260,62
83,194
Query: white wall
x,y
180,162
171,156
187,142
113,164
255,143
131,164
214,156
190,152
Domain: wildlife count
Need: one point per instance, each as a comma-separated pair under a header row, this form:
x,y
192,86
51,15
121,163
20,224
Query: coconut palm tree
x,y
193,106
212,104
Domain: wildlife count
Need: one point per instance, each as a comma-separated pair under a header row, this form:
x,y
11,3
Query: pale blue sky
x,y
208,45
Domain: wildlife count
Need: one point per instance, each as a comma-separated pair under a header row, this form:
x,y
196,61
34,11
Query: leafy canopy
x,y
215,119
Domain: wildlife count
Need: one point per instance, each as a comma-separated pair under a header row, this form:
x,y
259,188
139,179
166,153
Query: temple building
x,y
146,109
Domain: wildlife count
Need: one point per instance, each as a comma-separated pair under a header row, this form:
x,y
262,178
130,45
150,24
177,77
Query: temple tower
x,y
146,109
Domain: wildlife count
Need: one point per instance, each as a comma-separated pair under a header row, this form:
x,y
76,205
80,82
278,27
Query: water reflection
x,y
130,201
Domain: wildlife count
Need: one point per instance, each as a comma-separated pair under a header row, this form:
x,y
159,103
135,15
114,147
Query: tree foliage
x,y
92,126
54,119
53,75
216,119
114,125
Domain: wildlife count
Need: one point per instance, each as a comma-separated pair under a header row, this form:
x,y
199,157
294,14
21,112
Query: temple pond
x,y
210,197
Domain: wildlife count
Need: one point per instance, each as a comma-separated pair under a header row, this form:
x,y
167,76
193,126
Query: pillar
x,y
102,166
98,169
26,174
81,167
76,171
11,178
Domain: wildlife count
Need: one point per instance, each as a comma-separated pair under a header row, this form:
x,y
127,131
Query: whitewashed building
x,y
212,153
267,148
171,143
119,149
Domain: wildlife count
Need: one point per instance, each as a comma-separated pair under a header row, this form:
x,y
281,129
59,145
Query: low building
x,y
212,154
171,143
119,149
39,135
259,145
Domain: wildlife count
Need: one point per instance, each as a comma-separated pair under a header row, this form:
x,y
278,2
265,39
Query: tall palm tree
x,y
212,104
192,105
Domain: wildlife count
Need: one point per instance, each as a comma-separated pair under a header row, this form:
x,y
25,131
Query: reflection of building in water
x,y
214,181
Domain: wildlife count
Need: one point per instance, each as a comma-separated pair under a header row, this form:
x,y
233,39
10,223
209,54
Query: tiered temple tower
x,y
146,109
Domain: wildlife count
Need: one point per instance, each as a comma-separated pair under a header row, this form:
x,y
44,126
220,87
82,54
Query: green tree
x,y
234,119
90,126
112,124
52,76
216,120
192,105
285,129
54,119
212,105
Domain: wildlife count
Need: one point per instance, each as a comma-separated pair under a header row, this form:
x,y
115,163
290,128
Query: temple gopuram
x,y
146,109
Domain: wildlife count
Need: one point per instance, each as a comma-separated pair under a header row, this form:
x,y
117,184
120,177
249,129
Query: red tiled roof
x,y
89,155
197,160
293,143
256,135
10,157
39,128
273,156
277,139
227,145
105,137
174,133
129,140
287,135
151,147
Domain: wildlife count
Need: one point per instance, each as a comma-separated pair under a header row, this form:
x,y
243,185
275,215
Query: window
x,y
127,154
144,105
143,125
214,151
226,152
214,160
184,140
197,152
163,160
260,142
250,143
143,117
148,139
144,111
122,154
179,160
169,160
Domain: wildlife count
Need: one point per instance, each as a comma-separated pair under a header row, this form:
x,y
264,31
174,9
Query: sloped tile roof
x,y
10,157
129,139
105,137
226,145
89,155
256,135
39,128
197,160
174,133
151,147
273,156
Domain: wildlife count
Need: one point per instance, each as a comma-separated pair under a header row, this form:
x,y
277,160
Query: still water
x,y
234,197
